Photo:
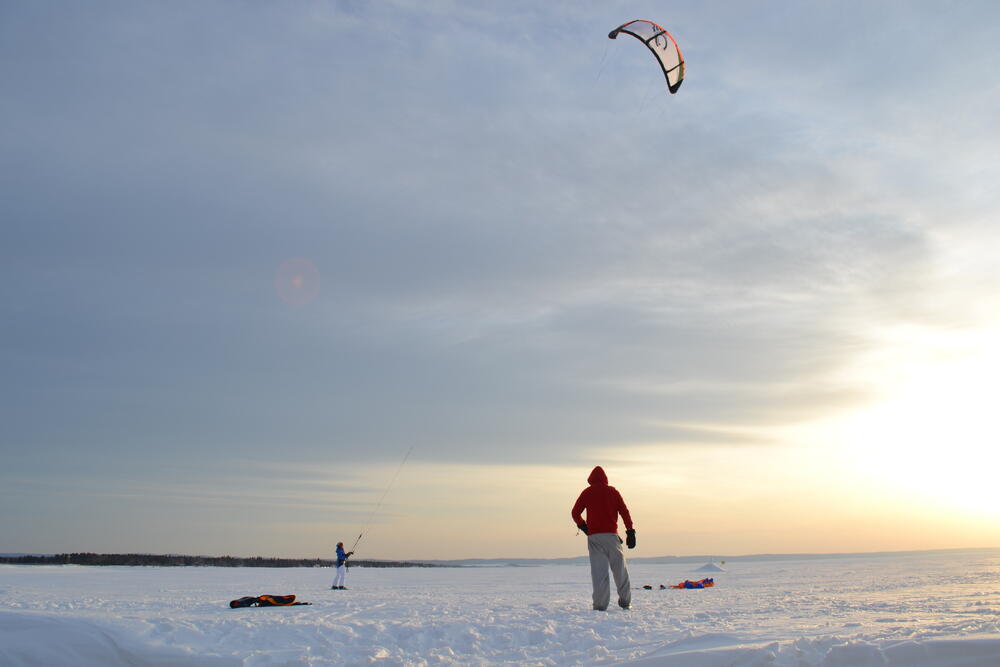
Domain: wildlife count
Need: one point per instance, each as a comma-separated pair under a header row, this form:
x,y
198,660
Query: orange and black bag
x,y
266,601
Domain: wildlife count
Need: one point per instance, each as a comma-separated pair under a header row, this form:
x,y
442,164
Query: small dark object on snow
x,y
266,601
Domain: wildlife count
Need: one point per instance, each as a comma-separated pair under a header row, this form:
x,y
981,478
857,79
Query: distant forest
x,y
194,561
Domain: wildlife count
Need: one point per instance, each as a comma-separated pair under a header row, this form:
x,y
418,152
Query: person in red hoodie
x,y
604,504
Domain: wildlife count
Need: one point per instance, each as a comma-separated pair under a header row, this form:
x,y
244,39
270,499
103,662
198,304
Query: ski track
x,y
935,609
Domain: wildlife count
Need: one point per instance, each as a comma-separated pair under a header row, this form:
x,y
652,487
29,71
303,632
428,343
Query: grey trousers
x,y
606,552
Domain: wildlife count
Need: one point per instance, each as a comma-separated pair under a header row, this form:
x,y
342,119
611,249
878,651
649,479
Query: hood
x,y
598,477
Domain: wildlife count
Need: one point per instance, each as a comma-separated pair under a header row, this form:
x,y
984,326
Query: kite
x,y
266,601
701,583
662,44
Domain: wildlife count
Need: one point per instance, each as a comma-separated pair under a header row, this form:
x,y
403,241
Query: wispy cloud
x,y
527,250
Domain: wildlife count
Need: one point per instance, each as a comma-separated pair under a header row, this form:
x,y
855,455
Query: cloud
x,y
527,251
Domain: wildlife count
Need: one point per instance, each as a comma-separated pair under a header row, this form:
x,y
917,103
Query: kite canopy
x,y
662,44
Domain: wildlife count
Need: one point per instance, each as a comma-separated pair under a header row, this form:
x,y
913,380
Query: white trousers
x,y
338,580
606,554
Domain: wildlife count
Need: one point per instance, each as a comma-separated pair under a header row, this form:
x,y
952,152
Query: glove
x,y
630,538
583,528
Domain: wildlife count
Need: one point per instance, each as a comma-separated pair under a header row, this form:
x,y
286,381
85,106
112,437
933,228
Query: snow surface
x,y
912,610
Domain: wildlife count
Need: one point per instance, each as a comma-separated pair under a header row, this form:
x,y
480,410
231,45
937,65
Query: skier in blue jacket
x,y
338,580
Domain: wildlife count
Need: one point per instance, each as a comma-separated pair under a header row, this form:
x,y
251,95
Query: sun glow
x,y
935,436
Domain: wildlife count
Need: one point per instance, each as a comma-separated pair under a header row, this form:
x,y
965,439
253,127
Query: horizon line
x,y
709,557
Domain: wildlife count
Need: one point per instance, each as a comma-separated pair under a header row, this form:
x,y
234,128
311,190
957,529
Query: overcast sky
x,y
254,252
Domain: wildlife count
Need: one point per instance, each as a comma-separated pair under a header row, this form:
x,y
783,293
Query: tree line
x,y
171,560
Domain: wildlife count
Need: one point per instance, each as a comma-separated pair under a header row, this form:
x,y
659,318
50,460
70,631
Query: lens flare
x,y
297,281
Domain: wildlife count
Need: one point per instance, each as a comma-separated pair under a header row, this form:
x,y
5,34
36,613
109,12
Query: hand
x,y
583,528
630,538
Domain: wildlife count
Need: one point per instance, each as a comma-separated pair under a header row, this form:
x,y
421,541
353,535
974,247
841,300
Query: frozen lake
x,y
923,609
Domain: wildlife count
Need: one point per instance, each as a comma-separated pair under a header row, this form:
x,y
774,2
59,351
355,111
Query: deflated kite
x,y
701,583
663,46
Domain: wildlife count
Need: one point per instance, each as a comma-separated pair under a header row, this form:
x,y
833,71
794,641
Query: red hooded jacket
x,y
603,504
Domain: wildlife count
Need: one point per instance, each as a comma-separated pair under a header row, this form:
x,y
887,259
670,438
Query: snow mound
x,y
710,567
828,652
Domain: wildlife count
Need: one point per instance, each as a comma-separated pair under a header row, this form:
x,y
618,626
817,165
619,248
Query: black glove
x,y
630,538
583,528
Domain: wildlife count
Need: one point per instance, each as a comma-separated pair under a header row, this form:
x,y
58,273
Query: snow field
x,y
933,609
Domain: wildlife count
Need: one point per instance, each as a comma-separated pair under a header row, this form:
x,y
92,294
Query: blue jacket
x,y
341,556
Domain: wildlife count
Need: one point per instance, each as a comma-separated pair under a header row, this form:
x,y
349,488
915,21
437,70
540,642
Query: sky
x,y
277,275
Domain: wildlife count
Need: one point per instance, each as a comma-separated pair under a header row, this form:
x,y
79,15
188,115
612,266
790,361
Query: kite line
x,y
384,494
